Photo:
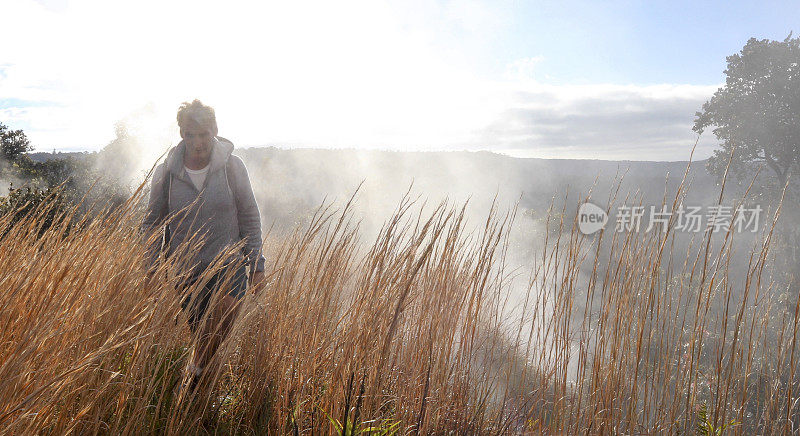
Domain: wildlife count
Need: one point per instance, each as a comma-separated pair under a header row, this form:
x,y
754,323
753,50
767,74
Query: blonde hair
x,y
198,113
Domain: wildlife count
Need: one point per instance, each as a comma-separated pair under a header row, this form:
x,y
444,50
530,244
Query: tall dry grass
x,y
419,332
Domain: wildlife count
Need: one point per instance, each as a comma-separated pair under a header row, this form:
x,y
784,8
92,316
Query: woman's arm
x,y
248,214
156,212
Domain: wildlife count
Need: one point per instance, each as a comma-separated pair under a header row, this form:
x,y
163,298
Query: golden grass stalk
x,y
421,331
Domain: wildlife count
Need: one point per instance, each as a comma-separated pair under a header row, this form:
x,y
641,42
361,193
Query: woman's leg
x,y
215,330
217,326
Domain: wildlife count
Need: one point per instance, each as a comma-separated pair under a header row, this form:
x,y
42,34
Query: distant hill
x,y
41,156
291,183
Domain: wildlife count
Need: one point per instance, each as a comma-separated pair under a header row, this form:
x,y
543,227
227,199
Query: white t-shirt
x,y
198,176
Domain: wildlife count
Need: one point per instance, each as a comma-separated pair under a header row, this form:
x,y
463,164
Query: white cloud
x,y
523,69
601,121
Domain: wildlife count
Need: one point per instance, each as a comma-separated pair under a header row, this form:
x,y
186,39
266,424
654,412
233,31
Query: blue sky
x,y
603,79
642,43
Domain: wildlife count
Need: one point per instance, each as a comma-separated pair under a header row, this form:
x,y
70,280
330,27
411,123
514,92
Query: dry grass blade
x,y
616,333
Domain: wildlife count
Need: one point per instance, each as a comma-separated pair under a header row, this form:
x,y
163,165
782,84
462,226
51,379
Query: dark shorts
x,y
197,305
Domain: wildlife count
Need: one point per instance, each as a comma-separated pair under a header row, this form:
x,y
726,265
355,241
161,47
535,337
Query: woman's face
x,y
199,140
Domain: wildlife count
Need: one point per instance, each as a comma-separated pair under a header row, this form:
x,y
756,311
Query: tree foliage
x,y
48,204
58,183
757,112
13,143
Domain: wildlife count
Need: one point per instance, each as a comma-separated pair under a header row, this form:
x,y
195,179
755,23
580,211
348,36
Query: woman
x,y
203,193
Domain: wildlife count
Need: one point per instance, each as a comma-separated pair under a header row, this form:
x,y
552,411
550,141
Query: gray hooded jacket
x,y
225,213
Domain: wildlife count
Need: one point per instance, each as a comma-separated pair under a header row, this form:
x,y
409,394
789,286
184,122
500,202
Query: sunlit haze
x,y
612,80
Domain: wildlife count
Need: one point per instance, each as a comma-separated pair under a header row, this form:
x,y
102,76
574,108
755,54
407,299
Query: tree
x,y
757,112
756,116
13,143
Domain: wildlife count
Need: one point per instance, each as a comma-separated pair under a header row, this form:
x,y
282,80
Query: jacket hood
x,y
221,150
